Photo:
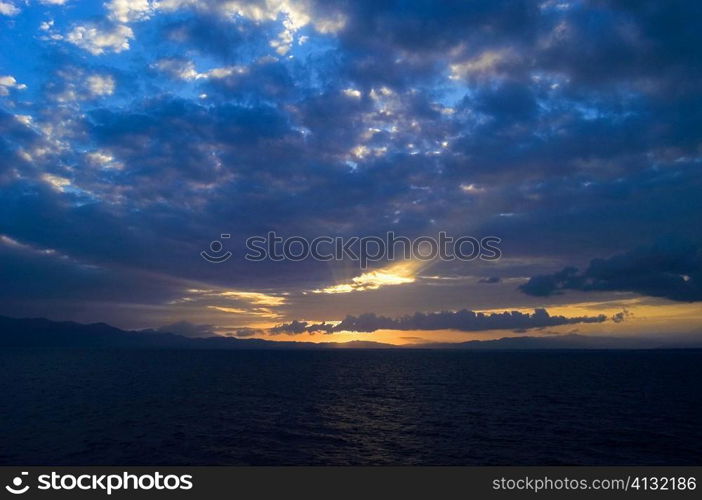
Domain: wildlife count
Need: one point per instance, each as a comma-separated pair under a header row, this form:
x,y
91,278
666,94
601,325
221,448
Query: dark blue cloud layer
x,y
569,129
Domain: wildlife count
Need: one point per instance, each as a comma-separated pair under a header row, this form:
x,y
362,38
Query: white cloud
x,y
97,41
330,24
8,9
486,64
283,43
103,159
24,119
100,85
185,70
9,82
268,10
295,15
400,273
73,84
126,11
472,189
53,2
57,183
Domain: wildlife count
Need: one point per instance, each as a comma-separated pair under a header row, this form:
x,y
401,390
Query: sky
x,y
135,132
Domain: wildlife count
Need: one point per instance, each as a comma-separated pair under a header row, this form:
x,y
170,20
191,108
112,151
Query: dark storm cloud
x,y
463,320
296,327
399,44
668,269
631,40
263,80
178,137
211,34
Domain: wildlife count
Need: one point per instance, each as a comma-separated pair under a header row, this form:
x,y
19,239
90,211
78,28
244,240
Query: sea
x,y
350,407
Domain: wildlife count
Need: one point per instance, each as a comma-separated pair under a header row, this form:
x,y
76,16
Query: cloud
x,y
622,316
185,70
72,84
101,85
400,273
294,14
8,83
463,320
297,327
125,11
56,182
485,65
245,305
669,269
98,40
8,9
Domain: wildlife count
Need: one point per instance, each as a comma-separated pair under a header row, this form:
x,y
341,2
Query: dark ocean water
x,y
350,407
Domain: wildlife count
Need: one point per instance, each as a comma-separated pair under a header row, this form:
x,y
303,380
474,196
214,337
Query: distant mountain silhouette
x,y
42,333
573,341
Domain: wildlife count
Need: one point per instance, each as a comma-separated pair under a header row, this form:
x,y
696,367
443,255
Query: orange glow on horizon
x,y
641,319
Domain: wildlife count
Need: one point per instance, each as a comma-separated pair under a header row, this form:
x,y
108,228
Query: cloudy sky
x,y
134,132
